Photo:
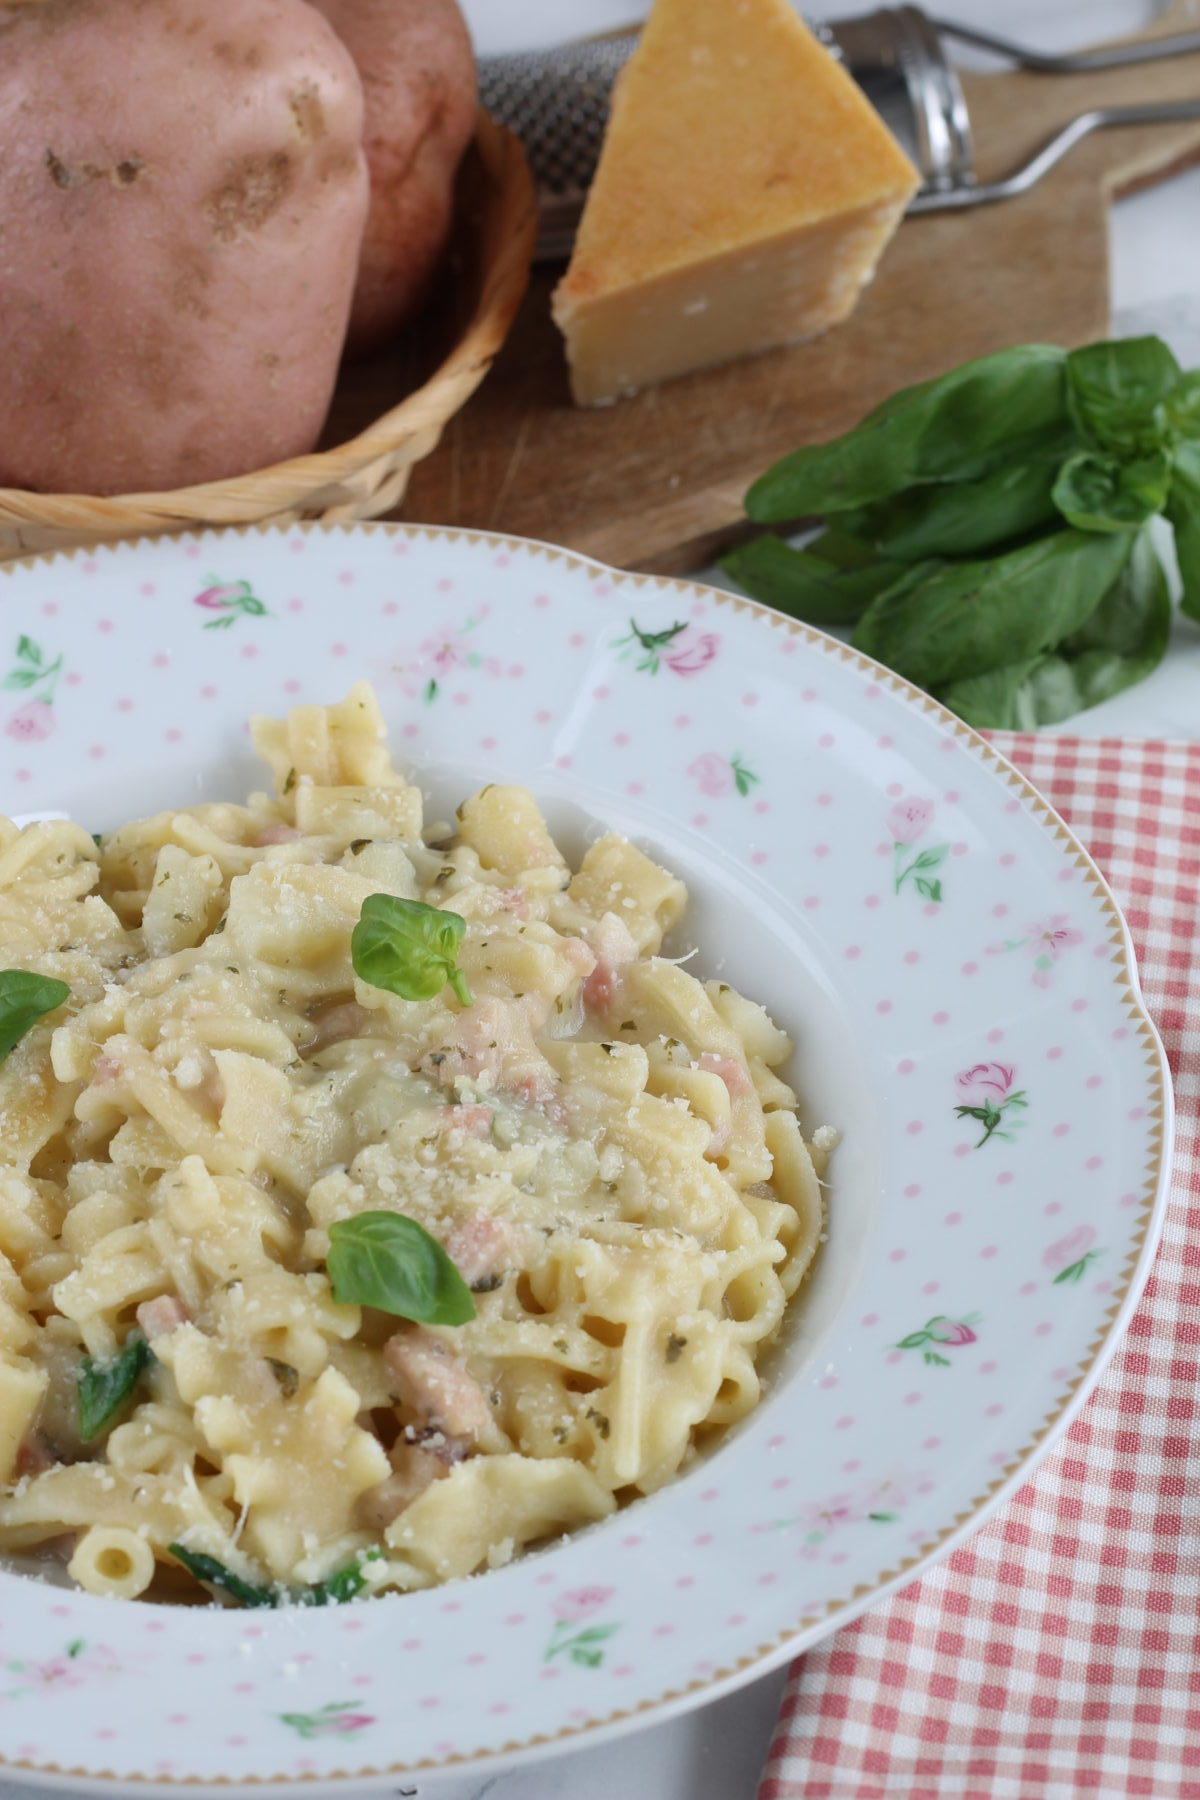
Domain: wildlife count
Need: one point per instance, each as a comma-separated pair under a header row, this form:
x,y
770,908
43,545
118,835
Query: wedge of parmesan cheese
x,y
744,194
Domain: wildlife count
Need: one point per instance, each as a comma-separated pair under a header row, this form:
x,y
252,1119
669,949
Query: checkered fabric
x,y
1057,1654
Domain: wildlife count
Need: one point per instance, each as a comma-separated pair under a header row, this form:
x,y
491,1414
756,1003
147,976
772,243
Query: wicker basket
x,y
365,475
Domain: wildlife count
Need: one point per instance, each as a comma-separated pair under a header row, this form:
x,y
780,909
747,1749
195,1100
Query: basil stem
x,y
24,999
387,1261
408,948
104,1387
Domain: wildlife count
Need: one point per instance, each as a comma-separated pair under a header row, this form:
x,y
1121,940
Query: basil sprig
x,y
104,1388
24,999
387,1261
986,532
344,1584
408,948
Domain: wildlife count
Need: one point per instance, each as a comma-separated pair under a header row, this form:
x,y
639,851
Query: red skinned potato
x,y
182,198
418,75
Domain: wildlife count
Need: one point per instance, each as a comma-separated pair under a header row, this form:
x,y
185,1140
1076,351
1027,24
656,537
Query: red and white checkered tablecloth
x,y
1057,1653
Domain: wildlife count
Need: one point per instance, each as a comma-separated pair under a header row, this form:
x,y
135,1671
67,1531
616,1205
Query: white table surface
x,y
716,1752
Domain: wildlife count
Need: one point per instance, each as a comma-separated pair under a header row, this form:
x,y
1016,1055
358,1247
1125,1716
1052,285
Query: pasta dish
x,y
370,1206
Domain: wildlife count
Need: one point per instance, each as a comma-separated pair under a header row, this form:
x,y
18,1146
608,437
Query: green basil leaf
x,y
105,1387
964,518
957,427
214,1574
1183,510
803,584
24,999
342,1585
1115,391
1122,642
969,617
1181,409
385,1260
408,948
1103,493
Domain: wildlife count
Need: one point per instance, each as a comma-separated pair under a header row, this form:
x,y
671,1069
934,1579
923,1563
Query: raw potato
x,y
418,76
182,197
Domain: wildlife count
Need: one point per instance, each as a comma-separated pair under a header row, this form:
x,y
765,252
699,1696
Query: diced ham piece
x,y
433,1384
274,834
108,1068
35,1456
335,1020
479,1247
161,1316
514,901
718,1138
734,1074
578,956
614,949
539,1089
471,1121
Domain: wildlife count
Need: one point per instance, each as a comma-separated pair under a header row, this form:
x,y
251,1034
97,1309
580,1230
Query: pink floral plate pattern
x,y
961,992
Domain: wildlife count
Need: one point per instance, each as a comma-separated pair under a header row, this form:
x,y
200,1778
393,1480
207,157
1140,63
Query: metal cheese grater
x,y
557,103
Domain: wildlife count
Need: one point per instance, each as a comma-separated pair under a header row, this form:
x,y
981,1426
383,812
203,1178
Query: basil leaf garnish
x,y
385,1260
24,999
408,948
214,1574
344,1584
104,1387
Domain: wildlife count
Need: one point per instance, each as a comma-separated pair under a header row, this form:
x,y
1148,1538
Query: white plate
x,y
906,906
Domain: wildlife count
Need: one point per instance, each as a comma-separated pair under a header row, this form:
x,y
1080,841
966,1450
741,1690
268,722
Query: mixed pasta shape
x,y
261,1142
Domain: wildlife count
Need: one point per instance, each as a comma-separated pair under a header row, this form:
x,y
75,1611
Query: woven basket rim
x,y
430,405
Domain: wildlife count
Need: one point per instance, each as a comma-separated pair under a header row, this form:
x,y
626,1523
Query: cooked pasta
x,y
591,1139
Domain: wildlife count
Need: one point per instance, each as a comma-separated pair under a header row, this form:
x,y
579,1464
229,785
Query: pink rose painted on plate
x,y
1072,1256
32,721
452,647
875,1502
231,601
717,775
986,1092
34,674
1045,941
339,1719
907,822
572,1636
79,1664
679,647
946,1333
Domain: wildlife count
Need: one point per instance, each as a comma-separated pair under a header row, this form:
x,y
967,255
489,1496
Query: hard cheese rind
x,y
745,192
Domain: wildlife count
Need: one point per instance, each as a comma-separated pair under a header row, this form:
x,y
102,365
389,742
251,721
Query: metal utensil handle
x,y
1078,62
1100,118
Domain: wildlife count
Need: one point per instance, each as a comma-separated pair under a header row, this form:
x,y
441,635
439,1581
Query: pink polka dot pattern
x,y
836,1480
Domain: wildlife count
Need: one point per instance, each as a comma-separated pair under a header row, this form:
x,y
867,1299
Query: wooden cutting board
x,y
656,482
